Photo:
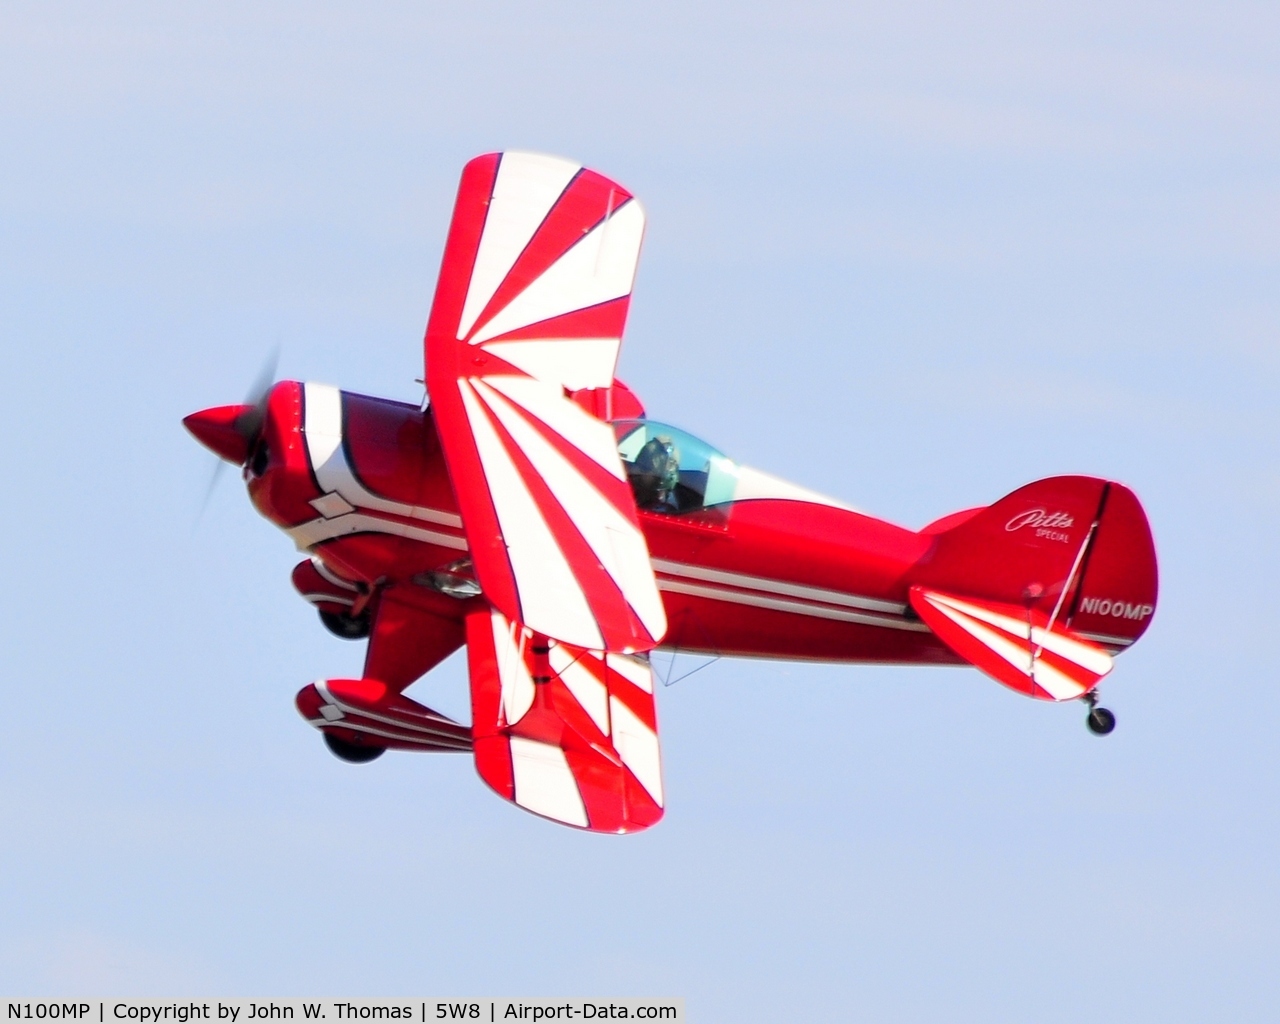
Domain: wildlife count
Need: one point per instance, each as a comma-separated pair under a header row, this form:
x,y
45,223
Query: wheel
x,y
349,627
356,753
1100,721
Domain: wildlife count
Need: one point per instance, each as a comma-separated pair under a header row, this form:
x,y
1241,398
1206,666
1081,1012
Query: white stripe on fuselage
x,y
307,535
809,608
733,579
323,430
1106,640
323,433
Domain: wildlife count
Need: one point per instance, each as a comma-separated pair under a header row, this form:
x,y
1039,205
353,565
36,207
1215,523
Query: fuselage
x,y
361,483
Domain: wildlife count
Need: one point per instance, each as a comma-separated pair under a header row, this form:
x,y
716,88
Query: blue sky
x,y
911,255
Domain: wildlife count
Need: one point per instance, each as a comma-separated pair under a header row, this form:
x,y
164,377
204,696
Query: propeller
x,y
249,424
231,431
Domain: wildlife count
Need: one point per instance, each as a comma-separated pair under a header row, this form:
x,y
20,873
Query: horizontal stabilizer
x,y
369,713
561,731
1017,646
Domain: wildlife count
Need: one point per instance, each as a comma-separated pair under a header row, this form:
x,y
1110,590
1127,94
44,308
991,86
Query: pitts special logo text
x,y
1051,525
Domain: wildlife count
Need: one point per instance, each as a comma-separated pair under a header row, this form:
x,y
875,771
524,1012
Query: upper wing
x,y
1019,647
530,305
567,733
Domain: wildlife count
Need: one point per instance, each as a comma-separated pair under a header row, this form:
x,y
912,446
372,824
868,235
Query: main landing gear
x,y
348,627
355,753
1100,721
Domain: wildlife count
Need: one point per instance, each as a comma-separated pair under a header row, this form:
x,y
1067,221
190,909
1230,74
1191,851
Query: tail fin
x,y
1074,548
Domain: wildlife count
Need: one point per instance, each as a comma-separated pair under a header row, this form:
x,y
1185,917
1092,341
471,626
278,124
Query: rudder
x,y
1077,549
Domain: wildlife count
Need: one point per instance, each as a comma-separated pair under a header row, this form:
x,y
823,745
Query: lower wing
x,y
565,732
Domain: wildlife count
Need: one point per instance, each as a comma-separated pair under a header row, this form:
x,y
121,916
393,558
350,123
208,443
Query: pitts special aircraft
x,y
534,513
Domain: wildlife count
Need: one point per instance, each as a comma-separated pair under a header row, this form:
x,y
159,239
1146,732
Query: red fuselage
x,y
362,484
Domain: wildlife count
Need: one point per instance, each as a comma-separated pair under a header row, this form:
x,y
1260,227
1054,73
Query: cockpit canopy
x,y
673,472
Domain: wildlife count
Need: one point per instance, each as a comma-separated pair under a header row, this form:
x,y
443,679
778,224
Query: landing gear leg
x,y
1100,721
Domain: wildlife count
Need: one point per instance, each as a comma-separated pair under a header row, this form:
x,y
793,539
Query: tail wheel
x,y
355,753
1100,721
348,627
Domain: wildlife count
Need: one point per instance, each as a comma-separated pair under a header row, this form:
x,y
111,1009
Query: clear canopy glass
x,y
671,471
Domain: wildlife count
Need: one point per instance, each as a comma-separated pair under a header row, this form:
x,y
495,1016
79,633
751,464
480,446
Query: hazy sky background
x,y
912,255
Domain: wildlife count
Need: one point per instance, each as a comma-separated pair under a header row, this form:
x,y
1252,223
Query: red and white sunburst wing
x,y
1016,646
530,306
567,733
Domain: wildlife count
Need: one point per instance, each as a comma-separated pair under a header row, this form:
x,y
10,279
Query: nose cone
x,y
220,431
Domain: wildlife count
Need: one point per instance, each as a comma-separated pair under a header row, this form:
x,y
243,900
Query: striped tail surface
x,y
1041,588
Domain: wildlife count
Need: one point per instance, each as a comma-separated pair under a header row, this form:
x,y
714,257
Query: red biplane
x,y
534,513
